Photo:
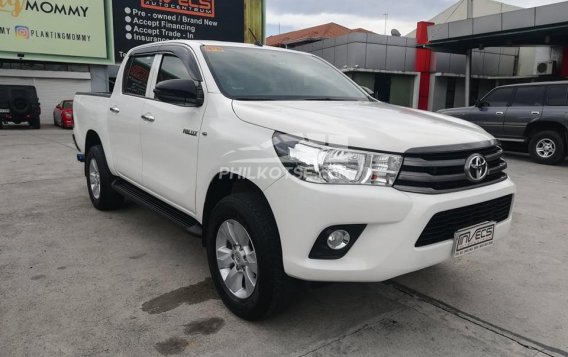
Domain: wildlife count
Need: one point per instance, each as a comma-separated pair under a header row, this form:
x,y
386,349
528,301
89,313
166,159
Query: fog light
x,y
338,240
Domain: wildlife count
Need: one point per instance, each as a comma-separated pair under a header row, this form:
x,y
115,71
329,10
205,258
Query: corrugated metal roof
x,y
311,34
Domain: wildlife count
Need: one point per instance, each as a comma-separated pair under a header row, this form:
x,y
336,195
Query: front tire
x,y
245,257
547,148
99,181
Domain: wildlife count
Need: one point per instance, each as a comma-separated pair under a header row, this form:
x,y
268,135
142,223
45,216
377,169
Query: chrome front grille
x,y
442,169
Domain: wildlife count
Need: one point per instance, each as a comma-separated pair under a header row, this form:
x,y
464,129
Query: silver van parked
x,y
533,113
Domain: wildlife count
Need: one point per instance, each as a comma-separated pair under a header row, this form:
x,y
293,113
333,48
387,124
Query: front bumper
x,y
394,220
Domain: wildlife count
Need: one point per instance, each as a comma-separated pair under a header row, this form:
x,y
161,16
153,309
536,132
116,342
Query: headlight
x,y
317,163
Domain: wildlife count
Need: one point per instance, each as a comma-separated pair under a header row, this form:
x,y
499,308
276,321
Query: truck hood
x,y
366,125
456,111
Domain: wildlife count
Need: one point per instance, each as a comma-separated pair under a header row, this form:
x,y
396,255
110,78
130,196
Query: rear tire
x,y
547,147
271,287
35,123
99,181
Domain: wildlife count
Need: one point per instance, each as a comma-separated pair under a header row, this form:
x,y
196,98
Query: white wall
x,y
529,57
52,86
437,98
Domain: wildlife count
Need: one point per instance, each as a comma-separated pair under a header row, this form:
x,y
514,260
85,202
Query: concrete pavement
x,y
78,282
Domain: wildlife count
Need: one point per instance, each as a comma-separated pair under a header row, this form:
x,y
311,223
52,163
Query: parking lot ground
x,y
75,281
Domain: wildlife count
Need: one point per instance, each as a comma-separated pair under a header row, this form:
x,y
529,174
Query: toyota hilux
x,y
287,169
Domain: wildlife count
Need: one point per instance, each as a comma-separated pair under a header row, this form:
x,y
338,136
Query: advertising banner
x,y
138,22
59,28
103,31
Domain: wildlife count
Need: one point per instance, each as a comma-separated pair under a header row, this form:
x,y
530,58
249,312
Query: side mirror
x,y
180,91
58,106
480,104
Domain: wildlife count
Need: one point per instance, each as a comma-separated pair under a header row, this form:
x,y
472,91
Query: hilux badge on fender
x,y
190,132
476,168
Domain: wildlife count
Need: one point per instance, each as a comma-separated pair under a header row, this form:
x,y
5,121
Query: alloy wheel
x,y
95,179
236,259
546,148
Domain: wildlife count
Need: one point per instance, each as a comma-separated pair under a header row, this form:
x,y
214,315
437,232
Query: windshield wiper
x,y
329,99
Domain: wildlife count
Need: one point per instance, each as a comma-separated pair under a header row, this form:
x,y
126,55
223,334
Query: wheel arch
x,y
91,139
223,185
540,125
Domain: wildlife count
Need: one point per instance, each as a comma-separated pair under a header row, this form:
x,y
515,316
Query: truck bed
x,y
90,111
95,94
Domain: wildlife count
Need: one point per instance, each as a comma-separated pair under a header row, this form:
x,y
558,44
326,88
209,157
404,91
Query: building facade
x,y
392,67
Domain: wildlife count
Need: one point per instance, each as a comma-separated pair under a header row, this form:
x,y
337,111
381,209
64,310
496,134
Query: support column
x,y
468,59
423,64
564,69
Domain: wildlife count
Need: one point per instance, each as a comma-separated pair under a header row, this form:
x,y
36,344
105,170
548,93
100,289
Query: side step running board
x,y
144,199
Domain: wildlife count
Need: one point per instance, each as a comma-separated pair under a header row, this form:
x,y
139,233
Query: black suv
x,y
533,113
19,104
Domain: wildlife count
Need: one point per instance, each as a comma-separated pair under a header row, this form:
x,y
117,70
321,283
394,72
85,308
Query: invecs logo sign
x,y
204,8
22,32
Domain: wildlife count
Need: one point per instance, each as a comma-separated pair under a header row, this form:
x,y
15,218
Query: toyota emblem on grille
x,y
476,168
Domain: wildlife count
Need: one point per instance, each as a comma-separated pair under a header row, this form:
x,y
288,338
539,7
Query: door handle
x,y
499,113
148,117
535,113
115,110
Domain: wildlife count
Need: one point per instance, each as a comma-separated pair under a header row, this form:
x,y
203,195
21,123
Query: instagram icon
x,y
23,32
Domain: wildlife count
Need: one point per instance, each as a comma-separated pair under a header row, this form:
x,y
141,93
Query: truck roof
x,y
535,84
195,44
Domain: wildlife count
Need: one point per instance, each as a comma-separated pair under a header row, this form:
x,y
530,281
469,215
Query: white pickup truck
x,y
288,169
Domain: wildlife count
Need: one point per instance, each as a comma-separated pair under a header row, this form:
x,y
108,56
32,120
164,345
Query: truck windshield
x,y
245,73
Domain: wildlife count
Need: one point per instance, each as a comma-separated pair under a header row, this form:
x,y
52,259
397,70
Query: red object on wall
x,y
564,69
423,63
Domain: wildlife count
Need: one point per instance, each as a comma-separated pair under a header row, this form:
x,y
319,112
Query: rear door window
x,y
137,75
557,96
529,96
500,97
